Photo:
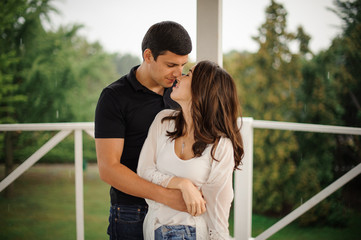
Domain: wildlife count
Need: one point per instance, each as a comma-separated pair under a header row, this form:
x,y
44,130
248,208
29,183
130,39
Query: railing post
x,y
243,186
79,198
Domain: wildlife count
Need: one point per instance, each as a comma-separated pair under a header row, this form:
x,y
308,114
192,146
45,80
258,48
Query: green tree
x,y
331,95
347,48
125,62
300,86
47,75
57,75
273,83
15,18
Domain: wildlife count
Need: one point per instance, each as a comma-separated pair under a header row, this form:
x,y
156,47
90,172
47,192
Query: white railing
x,y
243,179
65,129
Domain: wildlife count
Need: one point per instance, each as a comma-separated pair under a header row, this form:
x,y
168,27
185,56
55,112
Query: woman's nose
x,y
180,78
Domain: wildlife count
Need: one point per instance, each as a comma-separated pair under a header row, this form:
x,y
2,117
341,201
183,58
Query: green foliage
x,y
330,94
267,87
57,76
277,84
47,76
11,17
125,62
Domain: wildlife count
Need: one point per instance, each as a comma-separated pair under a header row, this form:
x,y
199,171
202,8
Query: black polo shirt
x,y
126,110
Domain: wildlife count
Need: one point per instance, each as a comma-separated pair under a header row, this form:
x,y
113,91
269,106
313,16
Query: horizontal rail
x,y
46,126
306,127
260,124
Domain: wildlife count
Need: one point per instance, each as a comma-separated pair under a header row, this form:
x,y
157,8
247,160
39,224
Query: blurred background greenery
x,y
57,76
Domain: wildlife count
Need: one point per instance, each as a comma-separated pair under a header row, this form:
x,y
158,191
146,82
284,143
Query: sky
x,y
119,25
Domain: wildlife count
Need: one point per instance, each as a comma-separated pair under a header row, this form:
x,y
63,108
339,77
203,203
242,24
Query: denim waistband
x,y
122,206
185,231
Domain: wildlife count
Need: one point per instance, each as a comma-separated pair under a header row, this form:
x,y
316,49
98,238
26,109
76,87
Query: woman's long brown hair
x,y
215,109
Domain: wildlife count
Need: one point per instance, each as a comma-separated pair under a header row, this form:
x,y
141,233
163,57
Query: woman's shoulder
x,y
225,142
224,145
165,113
162,114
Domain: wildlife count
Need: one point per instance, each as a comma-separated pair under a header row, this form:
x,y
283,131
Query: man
x,y
125,111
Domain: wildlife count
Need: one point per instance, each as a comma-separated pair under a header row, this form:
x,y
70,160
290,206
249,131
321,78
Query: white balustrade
x,y
243,179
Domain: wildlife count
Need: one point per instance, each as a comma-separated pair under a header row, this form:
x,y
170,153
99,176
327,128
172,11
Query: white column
x,y
79,198
243,186
209,31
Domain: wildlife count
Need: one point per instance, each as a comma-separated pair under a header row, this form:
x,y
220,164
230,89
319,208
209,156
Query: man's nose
x,y
178,71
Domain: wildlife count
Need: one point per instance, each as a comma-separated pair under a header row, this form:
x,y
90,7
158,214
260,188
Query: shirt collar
x,y
133,80
137,86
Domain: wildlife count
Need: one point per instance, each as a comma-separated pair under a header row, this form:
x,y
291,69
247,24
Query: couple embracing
x,y
168,143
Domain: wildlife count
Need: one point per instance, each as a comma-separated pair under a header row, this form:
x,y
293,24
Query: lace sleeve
x,y
147,167
218,191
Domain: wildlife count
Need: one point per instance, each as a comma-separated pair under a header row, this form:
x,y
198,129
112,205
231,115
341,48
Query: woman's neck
x,y
189,130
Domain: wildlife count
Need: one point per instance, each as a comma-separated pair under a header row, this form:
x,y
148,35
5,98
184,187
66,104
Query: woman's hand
x,y
196,205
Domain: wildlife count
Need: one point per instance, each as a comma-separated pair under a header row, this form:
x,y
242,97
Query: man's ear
x,y
147,55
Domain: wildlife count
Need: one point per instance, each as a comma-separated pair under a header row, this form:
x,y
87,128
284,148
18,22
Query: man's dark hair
x,y
167,36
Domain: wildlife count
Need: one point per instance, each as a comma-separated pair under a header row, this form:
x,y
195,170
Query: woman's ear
x,y
147,55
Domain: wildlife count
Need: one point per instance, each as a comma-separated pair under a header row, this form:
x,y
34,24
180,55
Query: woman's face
x,y
182,90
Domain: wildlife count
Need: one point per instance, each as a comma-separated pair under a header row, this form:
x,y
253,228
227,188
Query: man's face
x,y
167,68
182,91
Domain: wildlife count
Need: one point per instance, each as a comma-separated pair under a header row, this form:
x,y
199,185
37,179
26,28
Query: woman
x,y
194,150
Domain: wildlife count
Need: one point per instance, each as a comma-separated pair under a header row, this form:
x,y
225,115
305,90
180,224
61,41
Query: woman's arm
x,y
147,167
196,205
218,191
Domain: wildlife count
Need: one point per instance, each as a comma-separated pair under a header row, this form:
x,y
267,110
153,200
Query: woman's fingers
x,y
196,205
196,208
189,209
203,207
199,209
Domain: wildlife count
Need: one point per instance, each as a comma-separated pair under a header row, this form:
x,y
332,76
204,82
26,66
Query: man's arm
x,y
111,171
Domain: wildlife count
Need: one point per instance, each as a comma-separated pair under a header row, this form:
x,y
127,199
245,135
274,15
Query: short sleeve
x,y
218,191
109,116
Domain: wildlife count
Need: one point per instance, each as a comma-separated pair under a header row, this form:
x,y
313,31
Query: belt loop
x,y
188,231
164,230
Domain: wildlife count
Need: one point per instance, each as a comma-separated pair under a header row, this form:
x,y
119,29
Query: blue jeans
x,y
126,222
176,232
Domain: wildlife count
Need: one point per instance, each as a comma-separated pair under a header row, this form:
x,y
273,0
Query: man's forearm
x,y
125,180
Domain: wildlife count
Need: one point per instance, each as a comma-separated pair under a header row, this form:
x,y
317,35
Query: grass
x,y
43,207
294,232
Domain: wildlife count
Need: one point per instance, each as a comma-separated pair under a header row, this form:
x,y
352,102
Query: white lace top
x,y
158,163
